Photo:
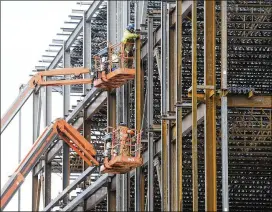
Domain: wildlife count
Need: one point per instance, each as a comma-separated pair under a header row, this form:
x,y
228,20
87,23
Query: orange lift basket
x,y
112,73
122,151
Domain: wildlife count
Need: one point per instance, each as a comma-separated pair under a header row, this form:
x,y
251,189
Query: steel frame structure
x,y
202,96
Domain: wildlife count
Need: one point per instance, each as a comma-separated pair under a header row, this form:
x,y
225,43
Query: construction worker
x,y
115,62
108,140
128,41
125,134
104,65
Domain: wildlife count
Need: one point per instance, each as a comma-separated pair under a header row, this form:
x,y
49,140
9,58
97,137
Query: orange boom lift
x,y
58,129
39,80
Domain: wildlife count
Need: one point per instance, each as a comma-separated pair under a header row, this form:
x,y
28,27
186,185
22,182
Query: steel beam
x,y
178,67
38,195
87,51
47,180
194,108
16,106
187,127
36,118
87,60
224,106
121,15
164,205
86,193
244,102
111,21
47,164
150,61
92,101
66,107
170,101
87,102
142,13
186,8
96,198
210,116
69,188
111,198
125,179
139,88
112,33
73,36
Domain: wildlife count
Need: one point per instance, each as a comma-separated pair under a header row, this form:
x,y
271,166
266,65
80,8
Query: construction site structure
x,y
36,82
59,129
188,123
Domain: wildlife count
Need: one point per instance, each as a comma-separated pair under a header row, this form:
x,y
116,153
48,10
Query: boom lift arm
x,y
58,128
38,80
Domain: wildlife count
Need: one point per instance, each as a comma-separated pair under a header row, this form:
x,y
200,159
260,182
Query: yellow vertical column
x,y
210,124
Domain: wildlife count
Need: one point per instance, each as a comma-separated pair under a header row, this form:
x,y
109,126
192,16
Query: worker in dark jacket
x,y
128,41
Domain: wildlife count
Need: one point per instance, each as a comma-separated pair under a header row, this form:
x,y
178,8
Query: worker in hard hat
x,y
104,65
128,41
115,62
125,133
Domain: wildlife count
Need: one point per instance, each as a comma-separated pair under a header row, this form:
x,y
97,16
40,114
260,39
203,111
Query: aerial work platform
x,y
122,151
121,164
115,79
115,68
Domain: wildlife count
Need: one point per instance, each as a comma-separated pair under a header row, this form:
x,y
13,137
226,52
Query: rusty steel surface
x,y
210,122
139,105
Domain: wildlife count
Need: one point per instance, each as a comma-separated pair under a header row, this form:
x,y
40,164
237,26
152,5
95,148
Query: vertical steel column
x,y
38,195
111,199
158,170
171,90
66,106
150,62
36,127
111,95
139,103
178,104
119,91
194,107
126,112
210,115
47,182
224,106
164,106
142,12
87,60
119,101
139,88
111,121
87,54
47,167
